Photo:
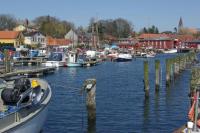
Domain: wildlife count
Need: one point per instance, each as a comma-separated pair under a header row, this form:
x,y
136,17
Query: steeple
x,y
180,25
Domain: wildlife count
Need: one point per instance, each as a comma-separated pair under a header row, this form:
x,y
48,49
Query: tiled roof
x,y
9,34
57,42
184,38
151,36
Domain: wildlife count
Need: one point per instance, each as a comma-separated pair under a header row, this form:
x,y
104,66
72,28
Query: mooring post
x,y
146,78
196,110
168,72
176,67
178,64
185,61
172,70
90,87
157,71
6,61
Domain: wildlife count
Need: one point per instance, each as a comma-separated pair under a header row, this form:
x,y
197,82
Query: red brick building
x,y
158,41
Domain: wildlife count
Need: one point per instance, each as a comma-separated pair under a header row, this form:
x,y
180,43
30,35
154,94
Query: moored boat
x,y
56,59
25,105
144,55
170,51
122,57
73,60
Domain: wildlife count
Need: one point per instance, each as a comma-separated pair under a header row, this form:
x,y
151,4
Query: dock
x,y
30,72
31,61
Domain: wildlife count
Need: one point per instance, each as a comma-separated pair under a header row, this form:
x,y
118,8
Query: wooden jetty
x,y
30,61
29,72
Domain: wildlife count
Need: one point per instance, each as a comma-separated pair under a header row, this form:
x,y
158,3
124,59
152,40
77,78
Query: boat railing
x,y
27,93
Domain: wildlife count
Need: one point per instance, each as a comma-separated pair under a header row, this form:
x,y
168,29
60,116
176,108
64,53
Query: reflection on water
x,y
146,114
91,120
120,102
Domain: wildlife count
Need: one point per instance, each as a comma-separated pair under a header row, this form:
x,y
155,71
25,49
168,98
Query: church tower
x,y
180,25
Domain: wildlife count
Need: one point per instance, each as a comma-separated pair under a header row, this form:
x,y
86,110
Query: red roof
x,y
9,34
150,36
57,42
184,38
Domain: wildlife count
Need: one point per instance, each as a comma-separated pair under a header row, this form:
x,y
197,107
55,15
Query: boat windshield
x,y
55,57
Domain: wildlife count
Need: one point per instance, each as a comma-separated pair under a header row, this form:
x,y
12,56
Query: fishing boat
x,y
73,60
25,105
122,57
56,59
144,55
170,51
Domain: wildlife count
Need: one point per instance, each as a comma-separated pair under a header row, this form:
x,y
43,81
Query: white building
x,y
35,38
71,35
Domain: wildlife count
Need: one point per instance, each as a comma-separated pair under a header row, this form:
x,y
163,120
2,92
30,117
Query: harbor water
x,y
121,106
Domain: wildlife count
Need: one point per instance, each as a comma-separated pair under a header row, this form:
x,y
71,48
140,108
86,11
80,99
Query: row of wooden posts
x,y
174,66
195,80
9,63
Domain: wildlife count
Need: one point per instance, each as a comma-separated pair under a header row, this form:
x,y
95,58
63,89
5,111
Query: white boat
x,y
56,59
170,51
73,60
26,113
122,57
144,55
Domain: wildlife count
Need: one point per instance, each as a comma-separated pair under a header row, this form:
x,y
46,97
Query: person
x,y
37,92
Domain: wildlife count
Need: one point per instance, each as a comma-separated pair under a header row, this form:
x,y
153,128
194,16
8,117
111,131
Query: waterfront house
x,y
126,43
192,44
73,37
35,39
56,43
15,38
158,41
20,28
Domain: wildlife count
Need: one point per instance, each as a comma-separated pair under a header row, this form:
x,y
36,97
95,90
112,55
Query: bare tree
x,y
7,22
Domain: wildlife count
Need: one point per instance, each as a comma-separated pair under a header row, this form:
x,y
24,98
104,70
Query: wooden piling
x,y
172,70
7,61
146,78
168,72
195,79
90,87
157,71
176,67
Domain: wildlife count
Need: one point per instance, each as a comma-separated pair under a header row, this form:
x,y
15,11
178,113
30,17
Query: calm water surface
x,y
121,105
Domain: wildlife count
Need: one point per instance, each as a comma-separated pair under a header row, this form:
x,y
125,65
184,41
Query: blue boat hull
x,y
122,60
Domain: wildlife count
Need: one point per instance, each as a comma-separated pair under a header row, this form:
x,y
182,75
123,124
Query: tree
x,y
119,28
153,29
7,22
175,30
52,26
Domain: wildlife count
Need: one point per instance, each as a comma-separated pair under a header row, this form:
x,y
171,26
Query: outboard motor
x,y
12,96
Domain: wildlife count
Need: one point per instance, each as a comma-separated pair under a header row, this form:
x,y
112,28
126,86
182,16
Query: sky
x,y
164,14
